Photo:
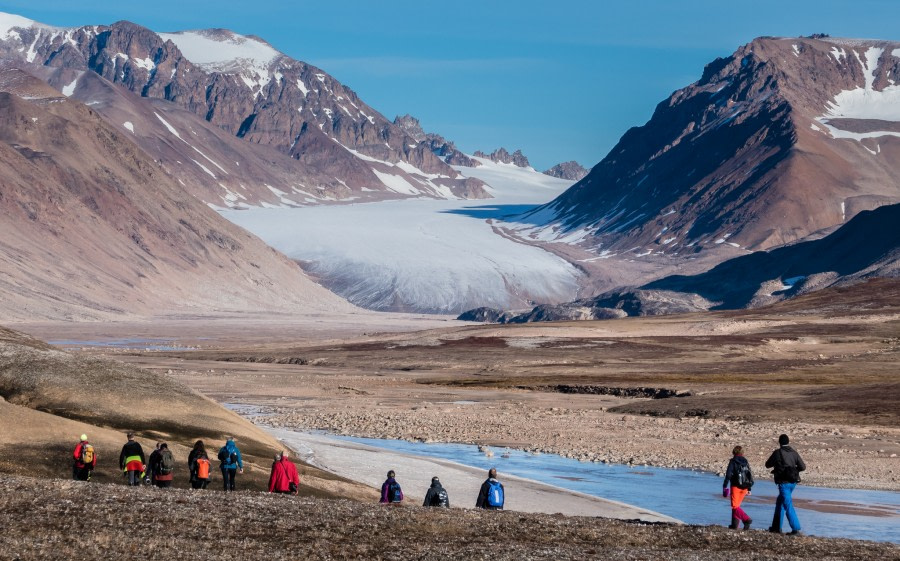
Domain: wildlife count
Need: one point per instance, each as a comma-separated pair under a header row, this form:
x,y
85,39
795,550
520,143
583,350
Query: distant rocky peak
x,y
411,126
571,170
502,156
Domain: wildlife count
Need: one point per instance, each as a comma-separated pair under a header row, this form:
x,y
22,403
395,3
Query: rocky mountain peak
x,y
411,126
784,139
502,156
571,170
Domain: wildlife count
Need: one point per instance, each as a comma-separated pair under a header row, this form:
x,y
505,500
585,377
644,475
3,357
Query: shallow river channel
x,y
690,496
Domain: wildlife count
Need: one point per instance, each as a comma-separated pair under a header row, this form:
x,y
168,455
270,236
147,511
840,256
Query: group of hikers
x,y
785,463
159,468
490,496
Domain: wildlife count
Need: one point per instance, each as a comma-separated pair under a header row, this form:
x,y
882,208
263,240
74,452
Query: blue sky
x,y
560,79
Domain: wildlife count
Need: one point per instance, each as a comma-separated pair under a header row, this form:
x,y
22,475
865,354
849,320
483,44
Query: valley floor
x,y
821,369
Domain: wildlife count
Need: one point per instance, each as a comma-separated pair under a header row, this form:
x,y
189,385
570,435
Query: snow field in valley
x,y
423,254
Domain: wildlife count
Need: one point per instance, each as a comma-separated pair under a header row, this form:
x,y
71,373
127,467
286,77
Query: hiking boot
x,y
734,524
795,533
774,530
747,523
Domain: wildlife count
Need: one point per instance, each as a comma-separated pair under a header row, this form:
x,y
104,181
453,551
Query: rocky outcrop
x,y
437,144
571,170
501,156
486,315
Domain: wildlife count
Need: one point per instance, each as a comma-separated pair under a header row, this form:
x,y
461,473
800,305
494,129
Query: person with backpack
x,y
284,477
132,461
85,460
786,465
230,463
436,495
491,496
738,481
162,466
152,462
390,490
198,466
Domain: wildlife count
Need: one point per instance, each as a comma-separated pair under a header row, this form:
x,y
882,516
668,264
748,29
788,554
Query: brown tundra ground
x,y
822,368
52,519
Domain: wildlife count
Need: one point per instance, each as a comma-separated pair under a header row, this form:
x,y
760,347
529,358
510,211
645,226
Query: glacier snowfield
x,y
424,255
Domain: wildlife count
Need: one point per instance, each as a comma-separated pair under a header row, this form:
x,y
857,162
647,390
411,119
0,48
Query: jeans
x,y
134,478
228,478
783,505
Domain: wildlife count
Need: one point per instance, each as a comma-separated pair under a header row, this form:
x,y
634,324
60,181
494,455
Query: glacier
x,y
421,254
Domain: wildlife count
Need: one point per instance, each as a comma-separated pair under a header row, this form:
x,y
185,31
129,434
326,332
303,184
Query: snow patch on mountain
x,y
864,102
224,51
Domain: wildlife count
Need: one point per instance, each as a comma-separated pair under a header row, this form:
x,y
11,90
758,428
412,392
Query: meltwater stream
x,y
690,496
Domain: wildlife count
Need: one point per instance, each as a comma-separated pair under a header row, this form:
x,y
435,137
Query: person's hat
x,y
435,479
83,437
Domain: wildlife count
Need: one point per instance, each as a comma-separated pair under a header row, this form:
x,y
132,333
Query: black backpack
x,y
440,498
784,472
742,478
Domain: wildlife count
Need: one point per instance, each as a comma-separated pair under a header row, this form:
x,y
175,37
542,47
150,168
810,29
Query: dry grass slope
x,y
51,519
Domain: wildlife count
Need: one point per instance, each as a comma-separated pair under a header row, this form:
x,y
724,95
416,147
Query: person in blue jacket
x,y
231,462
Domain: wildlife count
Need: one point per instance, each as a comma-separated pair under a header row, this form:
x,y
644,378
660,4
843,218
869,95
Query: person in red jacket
x,y
284,477
85,460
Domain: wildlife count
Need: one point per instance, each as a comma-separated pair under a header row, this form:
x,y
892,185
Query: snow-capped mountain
x,y
341,147
785,139
92,227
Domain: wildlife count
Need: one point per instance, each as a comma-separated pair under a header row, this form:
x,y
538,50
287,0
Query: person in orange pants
x,y
738,481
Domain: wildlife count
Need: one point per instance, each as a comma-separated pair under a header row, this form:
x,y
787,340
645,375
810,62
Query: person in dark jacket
x,y
391,493
436,495
738,481
284,477
132,461
198,466
153,463
85,460
231,463
491,495
786,465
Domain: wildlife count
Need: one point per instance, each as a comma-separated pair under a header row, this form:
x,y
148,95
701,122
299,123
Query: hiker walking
x,y
85,460
390,490
162,466
786,466
231,463
436,495
738,481
132,460
198,466
284,477
491,496
152,462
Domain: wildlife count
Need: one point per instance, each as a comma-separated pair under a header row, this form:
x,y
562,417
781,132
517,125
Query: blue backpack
x,y
395,495
495,494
